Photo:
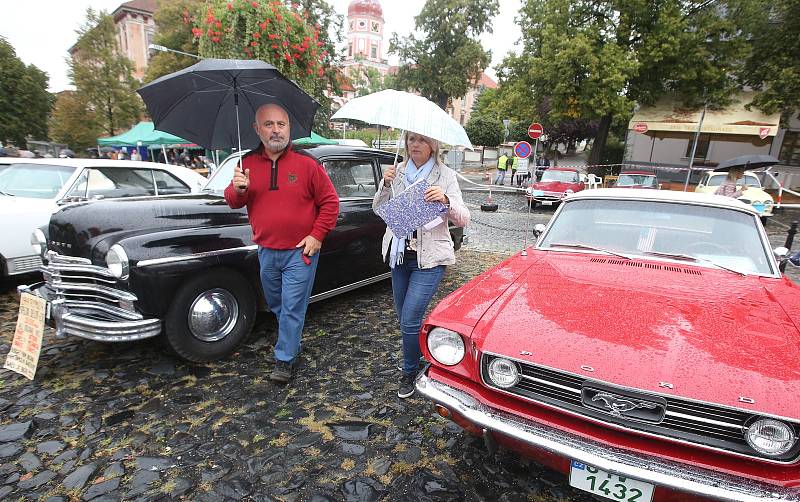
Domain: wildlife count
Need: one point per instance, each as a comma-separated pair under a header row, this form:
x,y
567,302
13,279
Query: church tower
x,y
365,36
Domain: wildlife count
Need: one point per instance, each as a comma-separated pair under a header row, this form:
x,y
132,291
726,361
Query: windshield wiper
x,y
7,194
591,248
686,257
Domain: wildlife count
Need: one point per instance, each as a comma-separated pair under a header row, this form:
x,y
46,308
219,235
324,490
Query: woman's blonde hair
x,y
434,144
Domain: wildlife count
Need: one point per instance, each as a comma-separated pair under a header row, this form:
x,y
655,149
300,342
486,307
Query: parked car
x,y
752,194
186,266
646,346
32,189
555,184
637,179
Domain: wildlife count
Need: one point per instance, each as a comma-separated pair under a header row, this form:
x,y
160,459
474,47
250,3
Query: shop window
x,y
703,143
790,149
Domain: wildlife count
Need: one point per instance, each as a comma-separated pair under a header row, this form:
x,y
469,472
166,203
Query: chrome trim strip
x,y
110,331
550,384
62,287
615,460
349,287
194,256
82,306
636,431
693,418
91,269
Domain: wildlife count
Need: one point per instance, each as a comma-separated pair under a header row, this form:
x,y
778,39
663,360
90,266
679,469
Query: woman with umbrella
x,y
418,260
728,187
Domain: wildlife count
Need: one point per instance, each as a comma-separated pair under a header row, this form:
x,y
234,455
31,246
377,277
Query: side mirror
x,y
538,229
781,253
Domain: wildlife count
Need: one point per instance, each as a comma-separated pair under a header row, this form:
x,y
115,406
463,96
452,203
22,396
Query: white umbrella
x,y
406,111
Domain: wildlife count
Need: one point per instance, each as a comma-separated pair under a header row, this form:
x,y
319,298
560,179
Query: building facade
x,y
365,44
135,31
461,108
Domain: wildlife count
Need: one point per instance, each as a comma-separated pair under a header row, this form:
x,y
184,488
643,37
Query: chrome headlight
x,y
117,262
770,437
446,346
503,373
39,242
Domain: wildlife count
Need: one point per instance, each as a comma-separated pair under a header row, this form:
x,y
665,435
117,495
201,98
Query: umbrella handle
x,y
396,155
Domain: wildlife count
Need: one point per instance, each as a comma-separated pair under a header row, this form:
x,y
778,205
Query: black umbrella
x,y
748,162
213,103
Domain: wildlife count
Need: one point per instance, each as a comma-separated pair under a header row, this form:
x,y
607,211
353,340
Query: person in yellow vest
x,y
502,167
513,163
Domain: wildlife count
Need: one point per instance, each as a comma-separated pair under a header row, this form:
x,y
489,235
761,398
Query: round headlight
x,y
117,262
39,242
503,373
446,346
770,437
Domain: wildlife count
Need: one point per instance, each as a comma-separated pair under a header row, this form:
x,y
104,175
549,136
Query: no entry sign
x,y
535,130
640,127
523,149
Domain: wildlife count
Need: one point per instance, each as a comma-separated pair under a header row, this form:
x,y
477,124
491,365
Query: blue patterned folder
x,y
407,211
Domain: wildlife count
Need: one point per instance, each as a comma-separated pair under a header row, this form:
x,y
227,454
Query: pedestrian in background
x,y
418,260
502,167
291,209
135,155
513,163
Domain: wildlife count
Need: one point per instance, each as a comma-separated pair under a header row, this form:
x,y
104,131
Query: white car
x,y
752,192
33,189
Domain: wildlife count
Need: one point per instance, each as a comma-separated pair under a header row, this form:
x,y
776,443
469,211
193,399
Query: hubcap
x,y
213,315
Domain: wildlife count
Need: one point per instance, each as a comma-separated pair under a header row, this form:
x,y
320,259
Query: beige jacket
x,y
434,246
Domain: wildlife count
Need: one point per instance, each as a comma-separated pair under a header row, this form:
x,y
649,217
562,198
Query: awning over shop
x,y
669,115
145,133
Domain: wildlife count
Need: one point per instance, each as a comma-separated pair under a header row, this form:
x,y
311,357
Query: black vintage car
x,y
186,265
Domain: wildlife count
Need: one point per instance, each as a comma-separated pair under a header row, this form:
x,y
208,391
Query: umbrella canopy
x,y
144,133
314,139
406,111
748,162
213,103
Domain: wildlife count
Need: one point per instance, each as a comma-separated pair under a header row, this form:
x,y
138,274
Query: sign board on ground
x,y
27,343
522,149
640,127
535,130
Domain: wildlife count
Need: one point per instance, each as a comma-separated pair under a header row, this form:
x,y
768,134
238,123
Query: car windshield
x,y
669,230
222,175
645,180
36,181
562,176
716,180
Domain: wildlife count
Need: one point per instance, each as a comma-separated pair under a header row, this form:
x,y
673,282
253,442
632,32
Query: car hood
x,y
77,228
555,186
715,336
19,217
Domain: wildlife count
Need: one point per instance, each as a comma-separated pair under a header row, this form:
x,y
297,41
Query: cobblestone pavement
x,y
125,421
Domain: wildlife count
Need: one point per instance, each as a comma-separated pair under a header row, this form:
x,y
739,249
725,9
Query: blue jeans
x,y
501,176
413,288
287,283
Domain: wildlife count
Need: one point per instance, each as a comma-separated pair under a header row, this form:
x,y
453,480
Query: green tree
x,y
282,35
366,80
448,58
593,59
24,100
103,77
774,66
174,19
484,131
68,122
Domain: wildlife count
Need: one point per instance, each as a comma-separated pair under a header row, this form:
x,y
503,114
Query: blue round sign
x,y
523,149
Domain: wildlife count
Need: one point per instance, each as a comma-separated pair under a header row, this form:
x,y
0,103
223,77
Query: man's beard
x,y
277,144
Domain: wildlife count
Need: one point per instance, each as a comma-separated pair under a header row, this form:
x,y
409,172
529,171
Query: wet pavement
x,y
127,422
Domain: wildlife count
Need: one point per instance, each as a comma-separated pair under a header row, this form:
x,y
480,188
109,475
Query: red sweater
x,y
287,201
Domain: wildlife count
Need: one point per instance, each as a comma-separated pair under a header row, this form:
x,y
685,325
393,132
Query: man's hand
x,y
241,179
310,245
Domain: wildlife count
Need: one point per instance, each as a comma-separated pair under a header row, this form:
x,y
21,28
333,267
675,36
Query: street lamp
x,y
161,48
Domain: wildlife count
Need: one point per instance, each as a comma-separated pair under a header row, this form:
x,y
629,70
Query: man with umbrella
x,y
292,205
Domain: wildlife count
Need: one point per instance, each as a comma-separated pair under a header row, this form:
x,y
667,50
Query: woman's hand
x,y
435,193
389,174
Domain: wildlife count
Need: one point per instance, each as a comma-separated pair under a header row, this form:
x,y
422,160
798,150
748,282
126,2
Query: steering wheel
x,y
710,247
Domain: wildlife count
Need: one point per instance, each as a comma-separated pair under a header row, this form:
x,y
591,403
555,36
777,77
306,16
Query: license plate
x,y
547,202
607,485
537,193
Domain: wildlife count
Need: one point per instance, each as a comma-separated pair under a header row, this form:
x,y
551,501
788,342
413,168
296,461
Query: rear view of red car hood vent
x,y
653,266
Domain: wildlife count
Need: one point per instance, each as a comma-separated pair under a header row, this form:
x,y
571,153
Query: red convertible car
x,y
647,346
556,183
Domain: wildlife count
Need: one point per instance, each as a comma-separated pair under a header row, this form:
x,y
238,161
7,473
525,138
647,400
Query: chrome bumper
x,y
73,318
615,460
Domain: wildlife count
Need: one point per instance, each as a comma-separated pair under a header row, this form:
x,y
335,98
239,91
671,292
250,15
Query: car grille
x,y
88,289
703,424
23,265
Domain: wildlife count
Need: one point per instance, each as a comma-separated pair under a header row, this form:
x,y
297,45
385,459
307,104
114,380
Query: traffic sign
x,y
640,127
523,149
535,130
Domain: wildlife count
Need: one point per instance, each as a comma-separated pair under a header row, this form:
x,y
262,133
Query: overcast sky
x,y
41,31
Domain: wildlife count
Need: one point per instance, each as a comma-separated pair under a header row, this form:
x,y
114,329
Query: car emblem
x,y
625,405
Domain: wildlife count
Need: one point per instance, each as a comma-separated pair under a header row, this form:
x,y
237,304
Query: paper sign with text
x,y
27,344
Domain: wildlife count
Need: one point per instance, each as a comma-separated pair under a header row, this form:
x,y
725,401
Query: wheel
x,y
210,316
489,207
713,247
